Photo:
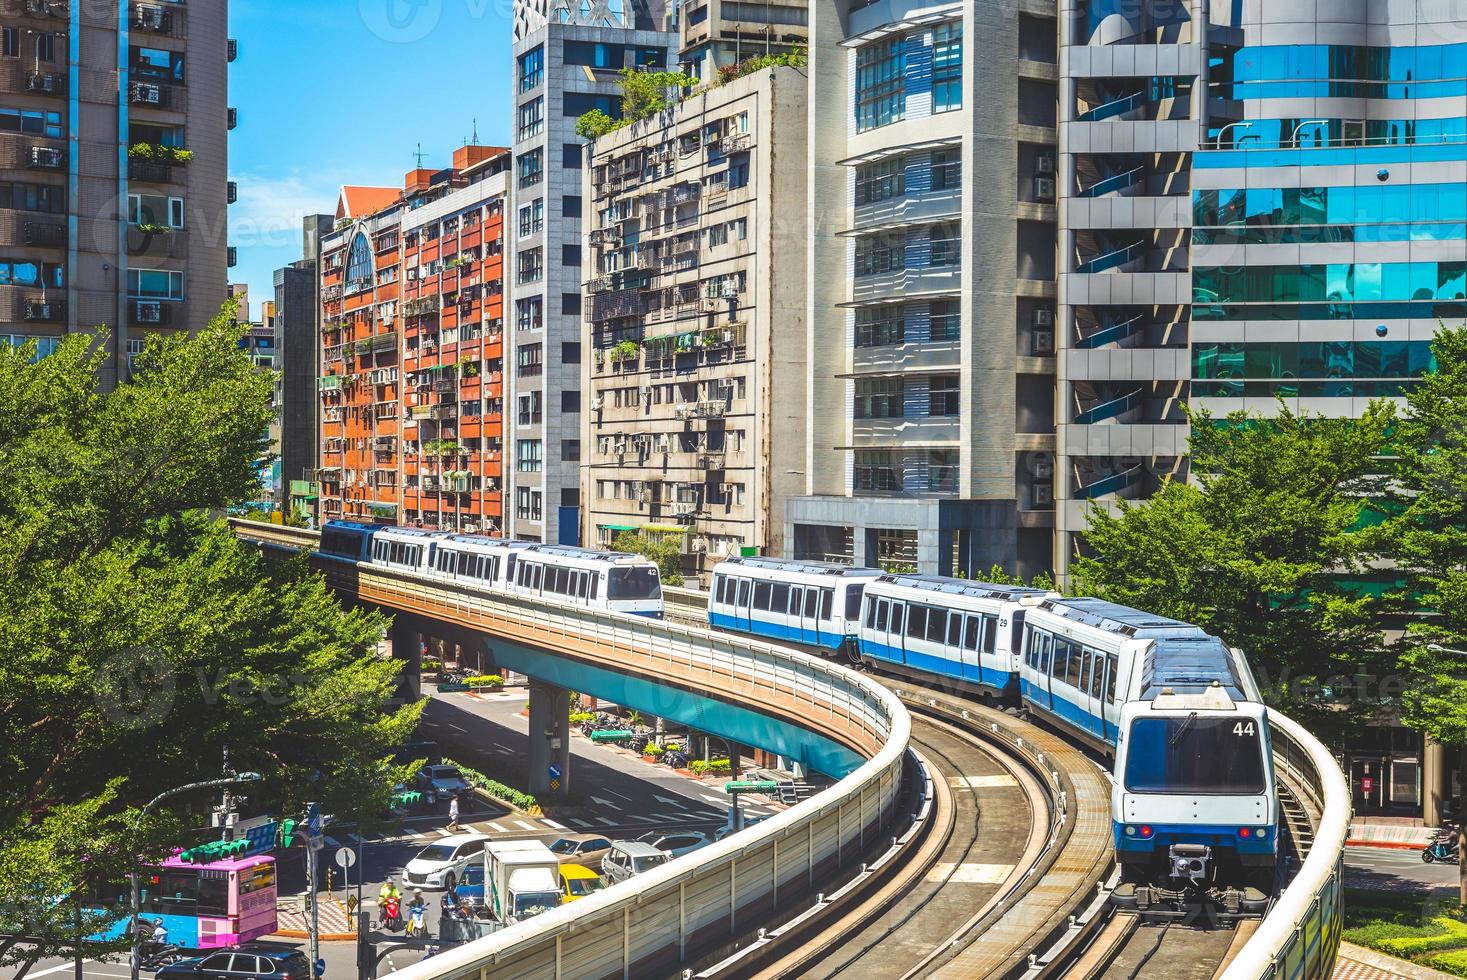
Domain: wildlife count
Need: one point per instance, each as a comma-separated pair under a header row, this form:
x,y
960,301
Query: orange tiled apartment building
x,y
412,349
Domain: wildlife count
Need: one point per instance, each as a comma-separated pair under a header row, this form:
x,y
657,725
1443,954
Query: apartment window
x,y
570,206
875,472
947,66
532,68
945,241
579,103
526,504
157,64
571,155
529,410
896,548
946,319
359,264
570,352
570,401
738,172
528,313
880,326
570,255
17,196
942,395
31,121
570,304
528,456
947,170
570,450
24,272
880,181
45,346
880,91
876,254
532,118
154,284
532,218
531,168
148,209
531,265
10,42
879,398
942,471
530,360
717,235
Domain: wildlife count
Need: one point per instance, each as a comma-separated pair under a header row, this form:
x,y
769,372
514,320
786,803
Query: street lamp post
x,y
1438,648
136,911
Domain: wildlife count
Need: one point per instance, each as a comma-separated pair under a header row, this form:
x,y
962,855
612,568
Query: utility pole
x,y
313,844
226,807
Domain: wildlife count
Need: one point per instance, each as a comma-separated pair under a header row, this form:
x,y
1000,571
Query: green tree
x,y
1258,549
140,639
661,551
643,93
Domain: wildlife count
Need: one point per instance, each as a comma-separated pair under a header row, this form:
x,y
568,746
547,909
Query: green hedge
x,y
1412,927
576,717
702,766
485,680
652,748
514,797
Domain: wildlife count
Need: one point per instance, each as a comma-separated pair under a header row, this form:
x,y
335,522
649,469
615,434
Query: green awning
x,y
616,527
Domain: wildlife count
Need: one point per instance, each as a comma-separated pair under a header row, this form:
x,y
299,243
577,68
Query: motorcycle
x,y
160,956
1439,848
417,920
392,914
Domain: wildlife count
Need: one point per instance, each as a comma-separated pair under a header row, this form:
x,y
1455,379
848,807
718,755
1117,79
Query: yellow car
x,y
578,881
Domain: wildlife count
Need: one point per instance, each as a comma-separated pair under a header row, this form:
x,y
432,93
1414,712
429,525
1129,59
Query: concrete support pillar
x,y
549,740
407,647
1436,787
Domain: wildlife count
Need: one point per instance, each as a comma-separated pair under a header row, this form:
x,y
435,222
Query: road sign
x,y
555,786
750,786
345,857
554,771
320,968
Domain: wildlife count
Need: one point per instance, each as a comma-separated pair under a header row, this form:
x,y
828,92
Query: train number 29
x,y
1243,728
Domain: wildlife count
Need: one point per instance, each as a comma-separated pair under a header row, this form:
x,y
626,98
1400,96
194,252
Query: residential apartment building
x,y
932,228
297,356
1268,202
567,62
718,34
411,349
93,234
695,309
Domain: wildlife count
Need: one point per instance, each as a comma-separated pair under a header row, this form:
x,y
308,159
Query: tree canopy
x,y
140,639
643,93
1260,548
665,554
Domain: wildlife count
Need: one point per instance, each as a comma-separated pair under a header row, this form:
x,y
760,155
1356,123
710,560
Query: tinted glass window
x,y
1190,754
780,600
954,629
970,633
812,603
853,603
936,625
916,621
1061,660
1110,678
744,585
761,595
633,583
990,633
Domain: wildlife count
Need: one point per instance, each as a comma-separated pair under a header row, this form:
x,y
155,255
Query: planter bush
x,y
581,717
485,680
507,794
701,767
653,749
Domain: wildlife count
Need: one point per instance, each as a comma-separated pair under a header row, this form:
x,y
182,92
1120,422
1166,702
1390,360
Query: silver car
x,y
629,857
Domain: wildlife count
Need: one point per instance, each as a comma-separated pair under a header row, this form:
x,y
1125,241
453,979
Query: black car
x,y
248,962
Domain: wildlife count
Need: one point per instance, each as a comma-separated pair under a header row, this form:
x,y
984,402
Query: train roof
x,y
355,526
588,554
1190,665
411,532
1112,617
963,587
485,540
804,567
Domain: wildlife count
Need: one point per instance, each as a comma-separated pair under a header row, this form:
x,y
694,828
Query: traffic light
x,y
287,832
218,850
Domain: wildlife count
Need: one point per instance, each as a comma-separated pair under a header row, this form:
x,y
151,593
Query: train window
x,y
595,583
488,568
779,598
1086,654
955,630
720,587
990,633
539,572
871,608
1046,648
881,611
812,603
744,587
827,604
1110,678
1098,677
1061,660
916,621
797,600
896,617
761,595
1072,672
853,602
584,589
970,633
936,625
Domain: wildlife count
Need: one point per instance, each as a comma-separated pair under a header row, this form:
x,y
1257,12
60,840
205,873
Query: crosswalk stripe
x,y
582,823
444,833
497,828
605,823
525,825
552,824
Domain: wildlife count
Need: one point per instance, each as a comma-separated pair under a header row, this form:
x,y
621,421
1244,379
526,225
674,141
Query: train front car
x,y
1195,803
349,541
610,580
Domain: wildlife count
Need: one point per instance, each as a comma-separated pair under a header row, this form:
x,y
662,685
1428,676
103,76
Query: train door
x,y
1043,662
810,617
1096,683
797,612
741,606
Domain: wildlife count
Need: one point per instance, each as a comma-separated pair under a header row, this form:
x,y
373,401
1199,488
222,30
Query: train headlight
x,y
1262,832
1130,831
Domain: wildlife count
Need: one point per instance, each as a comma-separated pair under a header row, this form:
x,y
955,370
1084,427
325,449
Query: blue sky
x,y
342,92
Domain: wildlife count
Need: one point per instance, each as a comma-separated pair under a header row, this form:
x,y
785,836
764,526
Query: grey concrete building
x,y
297,357
695,307
567,59
931,297
114,170
720,33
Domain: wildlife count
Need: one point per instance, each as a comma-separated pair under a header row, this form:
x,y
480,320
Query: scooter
x,y
417,920
1439,848
392,914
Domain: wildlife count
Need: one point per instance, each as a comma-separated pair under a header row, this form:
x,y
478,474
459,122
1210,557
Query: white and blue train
x,y
960,633
815,604
1182,716
595,579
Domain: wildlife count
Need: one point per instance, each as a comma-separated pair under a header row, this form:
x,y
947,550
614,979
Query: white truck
x,y
521,879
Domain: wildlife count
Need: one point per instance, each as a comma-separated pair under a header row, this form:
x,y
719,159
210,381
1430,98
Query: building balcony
x,y
156,242
17,77
150,95
150,312
44,311
907,284
21,228
159,20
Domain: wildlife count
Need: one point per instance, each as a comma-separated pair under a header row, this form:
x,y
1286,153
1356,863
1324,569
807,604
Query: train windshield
x,y
633,583
1191,754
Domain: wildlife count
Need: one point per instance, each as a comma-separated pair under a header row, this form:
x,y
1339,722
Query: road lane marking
x,y
497,828
581,823
606,823
552,823
525,825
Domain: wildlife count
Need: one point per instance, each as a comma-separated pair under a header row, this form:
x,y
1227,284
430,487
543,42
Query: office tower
x,y
567,62
1262,200
297,354
718,34
114,157
696,249
932,260
411,334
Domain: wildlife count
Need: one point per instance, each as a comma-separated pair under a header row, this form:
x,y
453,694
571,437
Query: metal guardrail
x,y
1300,937
647,925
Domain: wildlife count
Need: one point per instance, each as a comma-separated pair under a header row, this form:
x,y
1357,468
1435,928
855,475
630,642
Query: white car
x,y
676,845
441,864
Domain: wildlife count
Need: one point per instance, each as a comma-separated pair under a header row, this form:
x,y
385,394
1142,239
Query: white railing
x,y
1301,934
705,899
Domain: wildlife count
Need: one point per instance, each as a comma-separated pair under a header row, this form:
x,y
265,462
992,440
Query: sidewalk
x,y
1358,963
1405,833
295,921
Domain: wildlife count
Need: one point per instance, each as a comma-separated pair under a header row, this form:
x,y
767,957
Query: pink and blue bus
x,y
206,906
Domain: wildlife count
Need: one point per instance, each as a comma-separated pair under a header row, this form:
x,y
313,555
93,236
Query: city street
x,y
1396,869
